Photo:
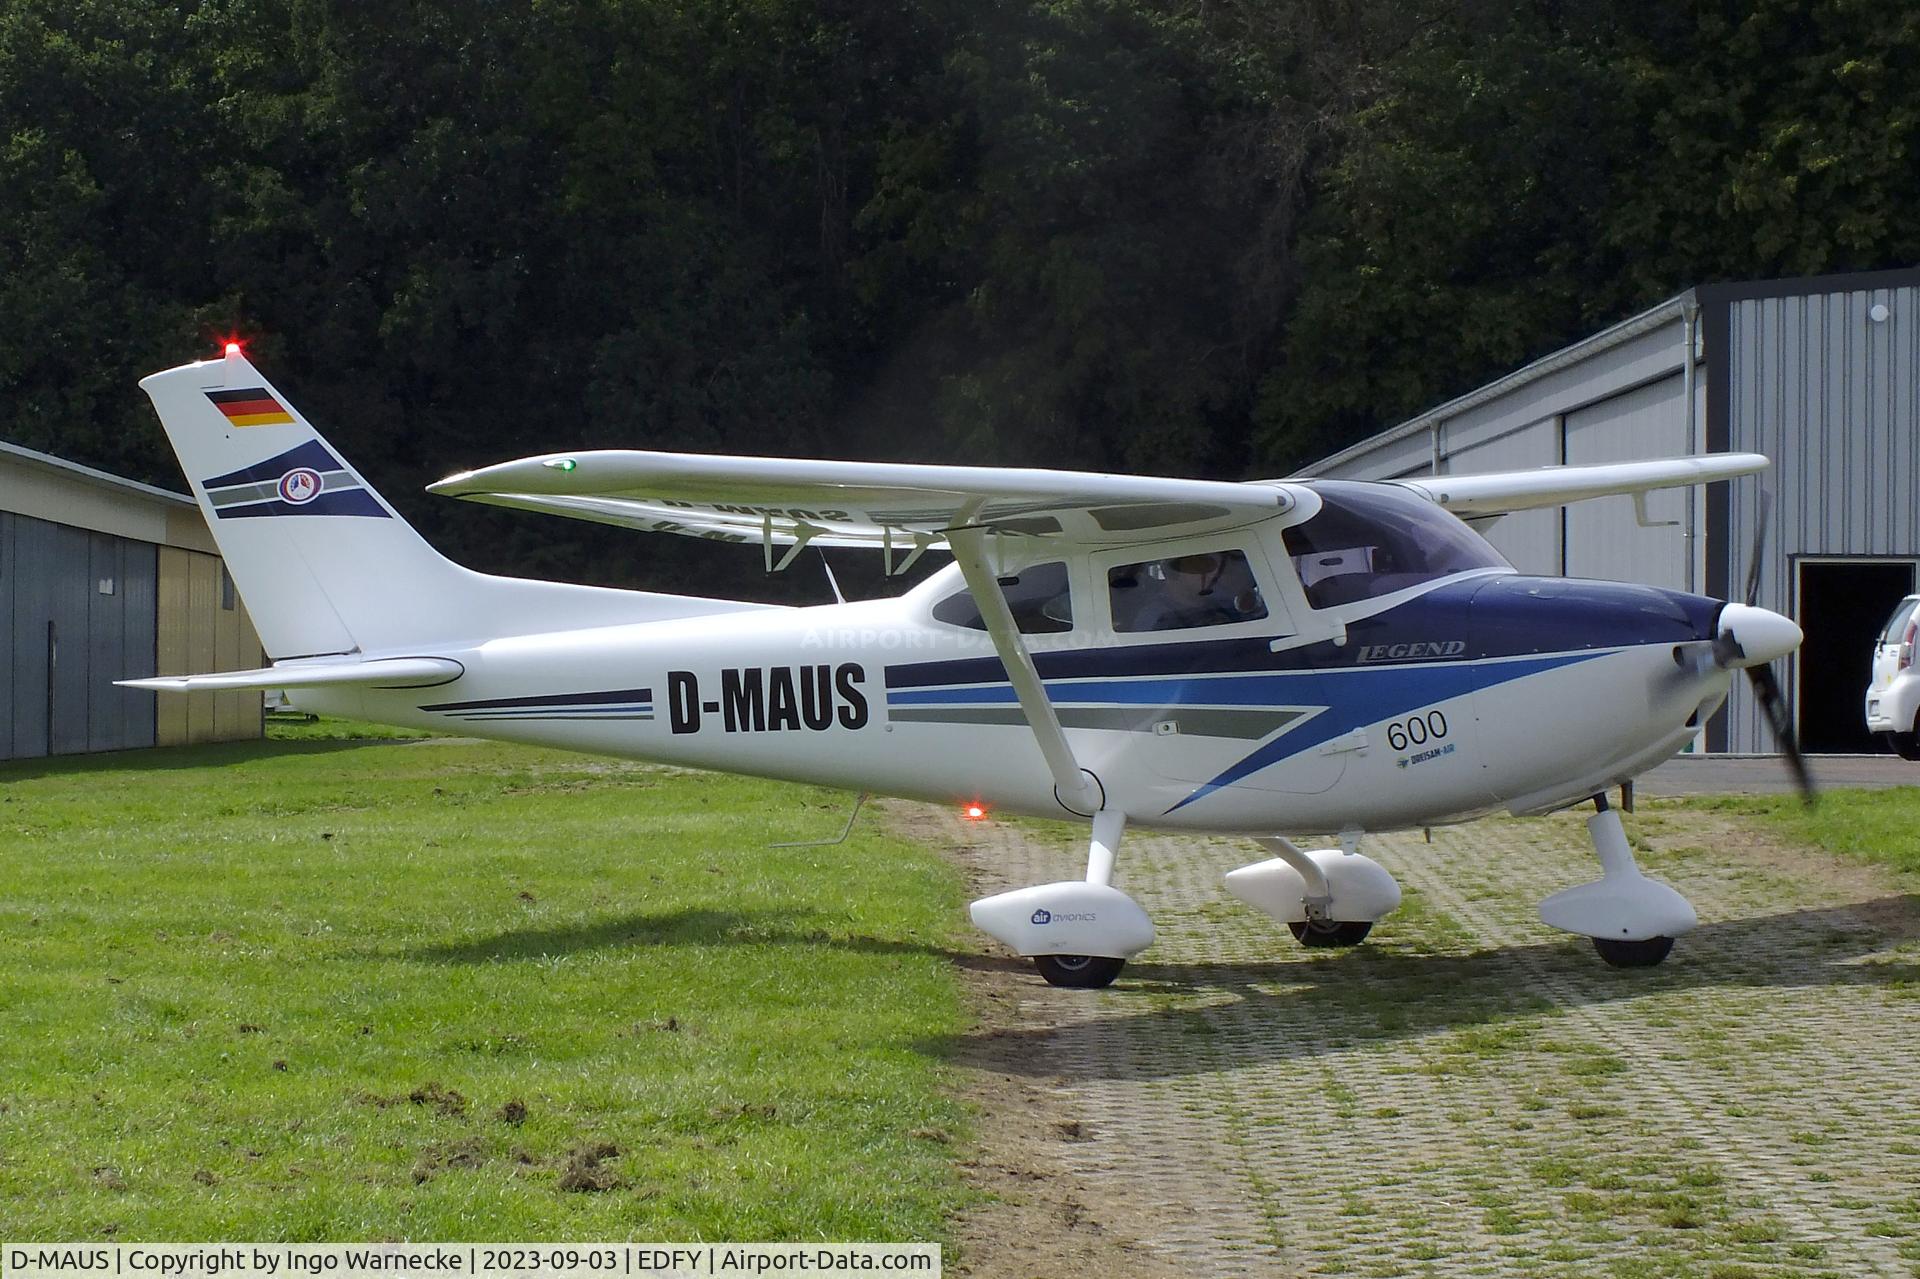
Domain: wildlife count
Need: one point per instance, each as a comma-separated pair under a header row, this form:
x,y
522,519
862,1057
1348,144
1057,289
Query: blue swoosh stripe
x,y
312,454
1383,694
354,501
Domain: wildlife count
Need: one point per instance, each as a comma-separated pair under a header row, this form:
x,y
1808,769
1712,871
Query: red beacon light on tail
x,y
974,812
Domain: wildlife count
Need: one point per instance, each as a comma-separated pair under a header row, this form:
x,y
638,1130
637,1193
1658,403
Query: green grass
x,y
1880,826
318,990
323,728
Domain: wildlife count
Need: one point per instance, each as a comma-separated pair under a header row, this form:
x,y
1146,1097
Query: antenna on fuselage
x,y
834,582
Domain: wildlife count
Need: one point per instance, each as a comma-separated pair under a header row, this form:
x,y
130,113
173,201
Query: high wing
x,y
865,504
797,502
1499,492
882,505
376,672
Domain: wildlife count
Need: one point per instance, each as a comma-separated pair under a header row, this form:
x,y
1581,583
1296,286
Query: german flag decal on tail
x,y
255,407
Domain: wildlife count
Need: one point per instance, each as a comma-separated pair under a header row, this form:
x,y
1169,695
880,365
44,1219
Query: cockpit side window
x,y
1039,597
1374,539
1208,588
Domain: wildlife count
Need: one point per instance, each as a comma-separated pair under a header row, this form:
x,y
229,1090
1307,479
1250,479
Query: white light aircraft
x,y
1187,655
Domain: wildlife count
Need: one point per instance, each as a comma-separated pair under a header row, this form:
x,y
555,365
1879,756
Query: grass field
x,y
308,990
1880,826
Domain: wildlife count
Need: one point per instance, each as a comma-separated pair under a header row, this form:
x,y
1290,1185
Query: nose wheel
x,y
1081,972
1633,954
1631,919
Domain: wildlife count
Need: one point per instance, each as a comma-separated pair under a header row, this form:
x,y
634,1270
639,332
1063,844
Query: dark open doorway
x,y
1843,605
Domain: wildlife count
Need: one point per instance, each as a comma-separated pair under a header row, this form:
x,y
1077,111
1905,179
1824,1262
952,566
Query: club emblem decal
x,y
300,486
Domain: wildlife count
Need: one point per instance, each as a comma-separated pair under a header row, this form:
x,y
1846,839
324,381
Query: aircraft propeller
x,y
1752,638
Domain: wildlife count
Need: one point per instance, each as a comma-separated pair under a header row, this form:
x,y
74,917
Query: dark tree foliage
x,y
1107,234
1528,174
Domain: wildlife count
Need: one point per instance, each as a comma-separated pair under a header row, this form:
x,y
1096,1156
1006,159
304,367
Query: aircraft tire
x,y
1082,972
1633,954
1339,932
1905,745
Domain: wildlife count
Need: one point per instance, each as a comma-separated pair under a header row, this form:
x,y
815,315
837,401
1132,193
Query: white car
x,y
1894,694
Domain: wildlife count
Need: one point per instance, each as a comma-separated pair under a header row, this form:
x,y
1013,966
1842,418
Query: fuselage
x,y
1480,690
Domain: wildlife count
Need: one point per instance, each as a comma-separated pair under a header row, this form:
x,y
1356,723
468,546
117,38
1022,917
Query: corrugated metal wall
x,y
1831,395
1806,372
1619,402
1604,537
79,611
203,628
1529,539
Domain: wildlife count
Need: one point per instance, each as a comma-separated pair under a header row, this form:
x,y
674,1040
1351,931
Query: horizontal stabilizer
x,y
379,672
1499,492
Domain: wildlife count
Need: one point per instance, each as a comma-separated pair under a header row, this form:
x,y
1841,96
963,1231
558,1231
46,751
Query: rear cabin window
x,y
1210,588
1897,624
1038,597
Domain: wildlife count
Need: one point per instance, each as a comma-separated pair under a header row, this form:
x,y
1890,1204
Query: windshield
x,y
1374,539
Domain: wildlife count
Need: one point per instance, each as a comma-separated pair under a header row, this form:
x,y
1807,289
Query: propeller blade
x,y
1759,548
1766,691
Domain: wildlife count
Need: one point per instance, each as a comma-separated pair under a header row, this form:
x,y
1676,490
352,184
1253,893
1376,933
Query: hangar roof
x,y
34,460
1705,297
1674,308
62,492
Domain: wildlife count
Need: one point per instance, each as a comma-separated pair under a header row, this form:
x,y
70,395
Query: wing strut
x,y
1071,783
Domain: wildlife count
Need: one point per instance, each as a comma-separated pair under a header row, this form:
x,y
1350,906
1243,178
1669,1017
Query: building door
x,y
1842,606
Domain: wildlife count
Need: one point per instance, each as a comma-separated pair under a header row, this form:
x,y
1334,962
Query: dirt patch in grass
x,y
586,1170
446,1102
468,1152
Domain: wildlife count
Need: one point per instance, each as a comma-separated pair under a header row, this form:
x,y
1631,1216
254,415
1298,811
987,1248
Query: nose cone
x,y
1752,636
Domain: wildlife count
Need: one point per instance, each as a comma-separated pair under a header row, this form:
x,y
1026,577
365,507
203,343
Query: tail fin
x,y
324,563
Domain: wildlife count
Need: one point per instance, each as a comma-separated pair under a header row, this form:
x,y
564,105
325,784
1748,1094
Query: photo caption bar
x,y
469,1260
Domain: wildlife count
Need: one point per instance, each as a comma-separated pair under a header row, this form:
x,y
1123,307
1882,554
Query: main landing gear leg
x,y
1631,919
1078,932
1091,971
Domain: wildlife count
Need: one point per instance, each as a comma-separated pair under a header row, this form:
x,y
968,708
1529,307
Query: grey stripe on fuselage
x,y
1191,721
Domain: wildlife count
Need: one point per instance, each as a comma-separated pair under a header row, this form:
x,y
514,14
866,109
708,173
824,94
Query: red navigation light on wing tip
x,y
233,348
974,812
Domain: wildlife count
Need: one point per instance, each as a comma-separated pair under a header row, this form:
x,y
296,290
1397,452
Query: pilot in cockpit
x,y
1209,589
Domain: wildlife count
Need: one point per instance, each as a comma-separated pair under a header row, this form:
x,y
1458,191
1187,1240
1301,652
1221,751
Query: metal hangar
x,y
1820,374
103,578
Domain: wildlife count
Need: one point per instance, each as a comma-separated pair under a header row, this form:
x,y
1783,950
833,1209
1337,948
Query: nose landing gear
x,y
1631,919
